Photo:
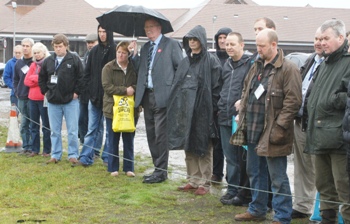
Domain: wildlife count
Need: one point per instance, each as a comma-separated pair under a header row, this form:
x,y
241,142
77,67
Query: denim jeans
x,y
258,168
13,100
128,149
94,136
232,161
37,110
23,106
83,120
70,111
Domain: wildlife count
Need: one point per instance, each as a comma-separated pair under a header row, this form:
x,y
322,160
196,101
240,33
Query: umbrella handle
x,y
133,35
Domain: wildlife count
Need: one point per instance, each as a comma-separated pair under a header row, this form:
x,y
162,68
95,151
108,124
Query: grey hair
x,y
336,25
38,46
26,40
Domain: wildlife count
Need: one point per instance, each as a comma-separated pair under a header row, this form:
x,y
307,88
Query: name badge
x,y
259,91
54,79
25,69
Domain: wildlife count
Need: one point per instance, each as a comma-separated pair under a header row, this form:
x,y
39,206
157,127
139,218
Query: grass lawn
x,y
33,192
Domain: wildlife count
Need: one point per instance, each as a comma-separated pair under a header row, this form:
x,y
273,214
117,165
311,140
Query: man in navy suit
x,y
157,63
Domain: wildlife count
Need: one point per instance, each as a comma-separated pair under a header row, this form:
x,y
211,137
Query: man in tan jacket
x,y
271,98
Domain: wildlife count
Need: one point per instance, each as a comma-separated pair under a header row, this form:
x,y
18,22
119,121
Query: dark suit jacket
x,y
166,60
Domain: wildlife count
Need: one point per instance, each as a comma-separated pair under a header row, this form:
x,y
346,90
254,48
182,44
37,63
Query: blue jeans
x,y
94,136
128,149
258,168
23,106
37,110
70,111
231,153
83,120
13,100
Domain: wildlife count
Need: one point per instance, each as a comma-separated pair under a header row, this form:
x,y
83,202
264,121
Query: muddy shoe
x,y
201,191
52,160
73,161
227,199
25,152
249,217
187,187
33,154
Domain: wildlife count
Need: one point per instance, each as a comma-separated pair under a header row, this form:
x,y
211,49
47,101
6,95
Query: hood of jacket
x,y
222,55
109,34
199,33
224,30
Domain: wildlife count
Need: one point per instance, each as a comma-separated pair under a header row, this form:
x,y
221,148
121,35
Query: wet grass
x,y
33,192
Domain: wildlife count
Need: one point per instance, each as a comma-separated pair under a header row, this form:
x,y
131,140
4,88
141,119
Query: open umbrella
x,y
129,20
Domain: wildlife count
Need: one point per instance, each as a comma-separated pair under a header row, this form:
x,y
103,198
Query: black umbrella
x,y
129,20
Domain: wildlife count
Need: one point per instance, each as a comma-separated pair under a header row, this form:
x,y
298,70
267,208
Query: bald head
x,y
266,43
270,34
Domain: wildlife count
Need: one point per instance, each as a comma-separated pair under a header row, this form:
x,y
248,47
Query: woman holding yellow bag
x,y
119,79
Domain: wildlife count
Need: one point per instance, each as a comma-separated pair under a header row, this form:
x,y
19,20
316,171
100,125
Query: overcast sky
x,y
194,3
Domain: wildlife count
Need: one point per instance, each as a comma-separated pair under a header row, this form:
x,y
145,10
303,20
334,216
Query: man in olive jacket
x,y
326,108
270,100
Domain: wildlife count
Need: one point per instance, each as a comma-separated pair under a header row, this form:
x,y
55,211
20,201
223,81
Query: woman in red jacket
x,y
37,105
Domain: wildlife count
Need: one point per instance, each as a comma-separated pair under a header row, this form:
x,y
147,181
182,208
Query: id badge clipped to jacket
x,y
53,79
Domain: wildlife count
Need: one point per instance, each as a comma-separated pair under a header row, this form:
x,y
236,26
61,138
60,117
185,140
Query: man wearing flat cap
x,y
91,41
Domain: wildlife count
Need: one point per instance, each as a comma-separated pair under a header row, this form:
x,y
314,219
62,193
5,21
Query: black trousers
x,y
156,130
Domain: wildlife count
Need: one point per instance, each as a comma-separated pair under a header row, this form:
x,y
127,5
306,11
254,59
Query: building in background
x,y
294,30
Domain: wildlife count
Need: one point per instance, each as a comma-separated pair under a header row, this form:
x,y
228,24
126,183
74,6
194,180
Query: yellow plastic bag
x,y
123,114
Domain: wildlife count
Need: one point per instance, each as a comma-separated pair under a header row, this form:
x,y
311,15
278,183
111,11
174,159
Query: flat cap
x,y
91,37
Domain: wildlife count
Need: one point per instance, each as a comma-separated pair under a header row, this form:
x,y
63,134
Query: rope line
x,y
189,176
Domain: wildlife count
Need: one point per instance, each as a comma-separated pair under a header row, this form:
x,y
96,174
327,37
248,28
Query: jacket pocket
x,y
279,135
277,98
328,134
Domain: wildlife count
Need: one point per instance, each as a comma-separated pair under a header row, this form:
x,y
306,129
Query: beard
x,y
267,55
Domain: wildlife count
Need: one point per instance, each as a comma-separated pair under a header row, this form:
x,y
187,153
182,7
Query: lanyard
x,y
57,64
312,70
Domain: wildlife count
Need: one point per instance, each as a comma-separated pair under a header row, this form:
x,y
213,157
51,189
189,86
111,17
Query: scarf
x,y
38,65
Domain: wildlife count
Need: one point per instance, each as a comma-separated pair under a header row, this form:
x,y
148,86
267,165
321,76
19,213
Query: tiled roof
x,y
6,14
77,17
295,24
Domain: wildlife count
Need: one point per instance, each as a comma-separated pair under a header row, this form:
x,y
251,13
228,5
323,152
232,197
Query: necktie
x,y
150,54
149,83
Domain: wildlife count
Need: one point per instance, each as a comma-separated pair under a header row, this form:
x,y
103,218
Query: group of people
x,y
191,99
21,75
278,109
